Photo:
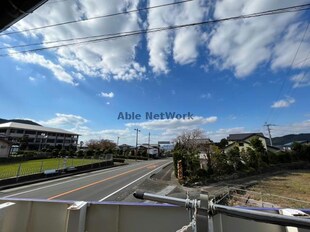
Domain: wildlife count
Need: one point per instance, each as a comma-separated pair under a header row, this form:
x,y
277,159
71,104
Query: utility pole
x,y
269,131
148,149
117,140
137,130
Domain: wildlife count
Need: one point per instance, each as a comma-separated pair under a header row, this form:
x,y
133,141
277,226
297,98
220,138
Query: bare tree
x,y
103,144
191,140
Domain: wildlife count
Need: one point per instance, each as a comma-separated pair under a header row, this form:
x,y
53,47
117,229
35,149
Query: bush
x,y
55,152
273,157
63,152
80,153
284,157
89,152
202,174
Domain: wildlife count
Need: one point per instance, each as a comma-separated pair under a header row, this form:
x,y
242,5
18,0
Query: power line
x,y
56,1
152,30
292,63
97,17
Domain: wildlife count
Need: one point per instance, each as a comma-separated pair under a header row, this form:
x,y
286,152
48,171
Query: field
x,y
37,166
291,185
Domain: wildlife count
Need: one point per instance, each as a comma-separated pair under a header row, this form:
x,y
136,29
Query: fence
x,y
31,167
260,199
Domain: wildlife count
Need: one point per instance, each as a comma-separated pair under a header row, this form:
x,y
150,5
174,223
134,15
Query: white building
x,y
36,137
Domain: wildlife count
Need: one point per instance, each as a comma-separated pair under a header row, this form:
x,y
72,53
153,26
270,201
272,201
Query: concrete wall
x,y
4,149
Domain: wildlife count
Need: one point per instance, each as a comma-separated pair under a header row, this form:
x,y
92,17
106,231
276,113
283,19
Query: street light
x,y
137,130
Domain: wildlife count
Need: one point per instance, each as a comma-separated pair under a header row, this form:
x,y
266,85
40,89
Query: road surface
x,y
103,185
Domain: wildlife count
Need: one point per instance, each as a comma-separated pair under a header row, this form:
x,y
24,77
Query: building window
x,y
20,131
30,132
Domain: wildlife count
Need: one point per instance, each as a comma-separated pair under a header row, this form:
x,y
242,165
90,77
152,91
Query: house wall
x,y
4,149
245,145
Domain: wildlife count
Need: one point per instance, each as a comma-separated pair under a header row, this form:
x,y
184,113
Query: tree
x,y
103,144
234,158
189,140
223,143
260,150
80,153
297,148
220,164
187,148
23,143
257,144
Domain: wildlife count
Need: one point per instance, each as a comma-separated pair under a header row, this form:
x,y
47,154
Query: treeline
x,y
218,164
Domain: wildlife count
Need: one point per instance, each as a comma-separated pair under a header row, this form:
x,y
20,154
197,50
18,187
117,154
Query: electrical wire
x,y
97,17
291,65
106,37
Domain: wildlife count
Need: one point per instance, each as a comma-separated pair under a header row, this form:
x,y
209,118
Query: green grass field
x,y
37,166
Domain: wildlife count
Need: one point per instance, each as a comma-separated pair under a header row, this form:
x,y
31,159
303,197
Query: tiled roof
x,y
243,136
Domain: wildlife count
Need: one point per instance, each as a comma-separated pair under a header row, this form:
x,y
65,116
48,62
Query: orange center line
x,y
100,181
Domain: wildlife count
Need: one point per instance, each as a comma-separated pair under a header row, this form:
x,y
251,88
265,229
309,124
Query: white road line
x,y
44,187
134,181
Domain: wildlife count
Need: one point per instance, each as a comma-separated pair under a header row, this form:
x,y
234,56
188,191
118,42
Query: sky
x,y
223,78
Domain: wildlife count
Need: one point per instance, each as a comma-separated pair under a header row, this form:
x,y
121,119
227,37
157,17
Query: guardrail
x,y
18,215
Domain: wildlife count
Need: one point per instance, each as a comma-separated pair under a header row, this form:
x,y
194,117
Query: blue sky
x,y
233,77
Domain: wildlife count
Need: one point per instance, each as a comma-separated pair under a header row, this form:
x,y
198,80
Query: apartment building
x,y
36,137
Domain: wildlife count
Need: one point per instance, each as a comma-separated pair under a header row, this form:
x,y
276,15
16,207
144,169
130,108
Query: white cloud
x,y
243,45
224,132
183,44
293,128
32,79
108,103
292,45
301,80
206,95
56,69
106,95
283,103
108,59
68,121
182,124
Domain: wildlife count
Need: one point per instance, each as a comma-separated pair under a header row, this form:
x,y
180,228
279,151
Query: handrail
x,y
164,199
261,216
214,209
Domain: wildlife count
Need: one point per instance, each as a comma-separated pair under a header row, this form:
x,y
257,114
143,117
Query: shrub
x,y
89,152
55,152
80,153
63,152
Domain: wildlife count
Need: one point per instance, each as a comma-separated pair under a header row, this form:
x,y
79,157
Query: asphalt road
x,y
103,185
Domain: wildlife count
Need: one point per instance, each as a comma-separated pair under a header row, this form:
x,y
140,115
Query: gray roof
x,y
23,126
243,136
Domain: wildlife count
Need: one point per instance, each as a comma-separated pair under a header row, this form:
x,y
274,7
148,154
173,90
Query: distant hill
x,y
290,138
19,121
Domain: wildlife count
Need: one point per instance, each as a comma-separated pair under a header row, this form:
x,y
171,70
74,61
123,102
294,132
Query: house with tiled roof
x,y
242,141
